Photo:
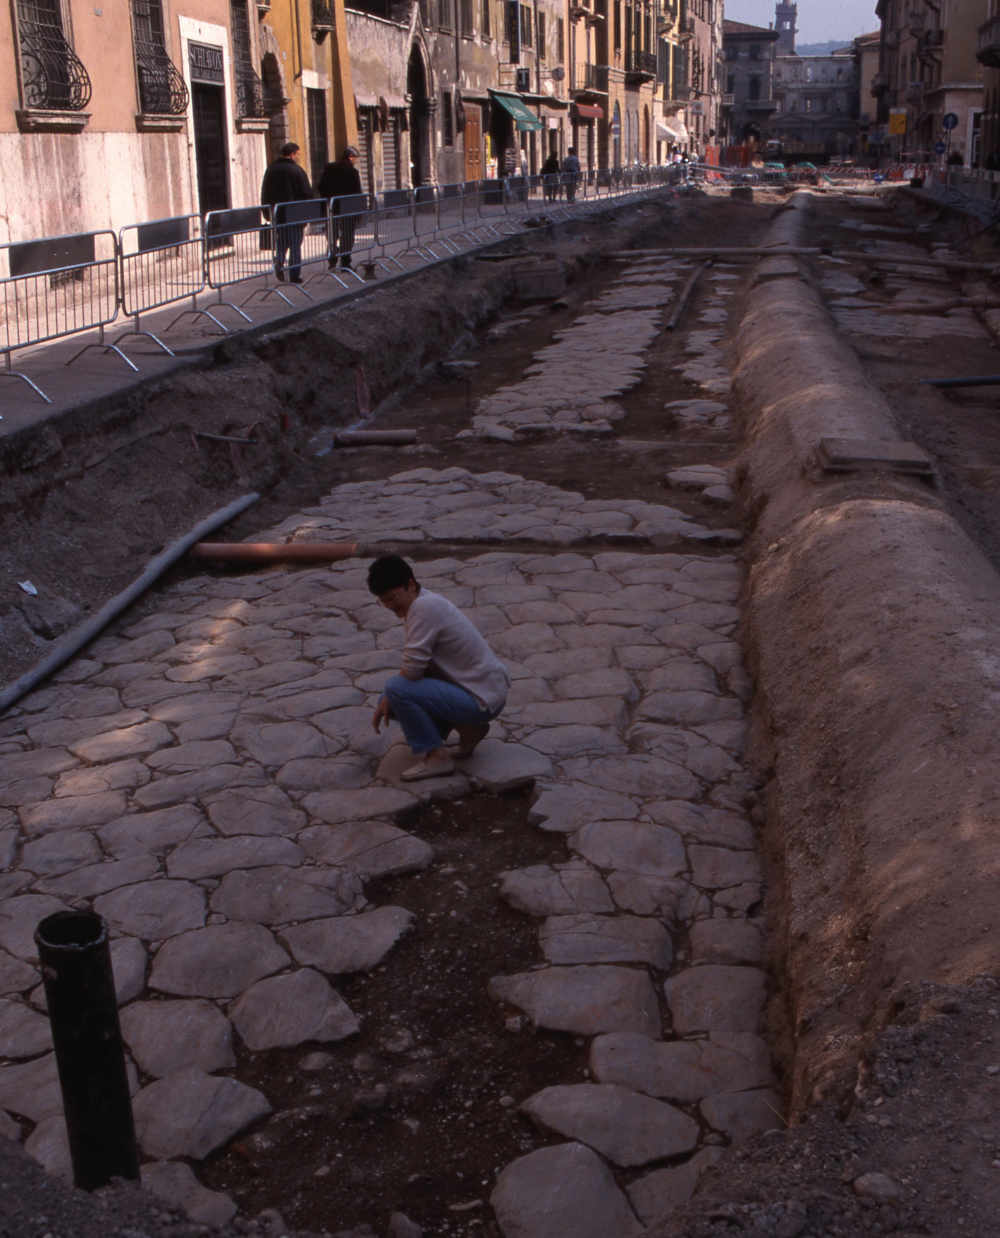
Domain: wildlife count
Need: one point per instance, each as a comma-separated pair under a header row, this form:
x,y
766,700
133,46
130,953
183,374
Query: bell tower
x,y
784,22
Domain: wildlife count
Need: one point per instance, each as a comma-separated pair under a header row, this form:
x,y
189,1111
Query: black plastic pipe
x,y
986,380
83,1013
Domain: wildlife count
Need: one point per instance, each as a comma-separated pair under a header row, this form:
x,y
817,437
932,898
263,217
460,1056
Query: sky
x,y
818,20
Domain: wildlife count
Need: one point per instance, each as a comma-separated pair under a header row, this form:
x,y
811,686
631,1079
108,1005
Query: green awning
x,y
524,118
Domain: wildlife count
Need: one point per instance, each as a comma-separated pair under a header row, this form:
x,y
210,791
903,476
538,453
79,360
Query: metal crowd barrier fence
x,y
56,287
162,261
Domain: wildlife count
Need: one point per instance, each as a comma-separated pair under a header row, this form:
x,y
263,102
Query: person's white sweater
x,y
442,643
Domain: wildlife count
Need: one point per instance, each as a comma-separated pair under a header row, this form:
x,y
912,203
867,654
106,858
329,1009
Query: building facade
x,y
748,53
929,70
816,97
988,55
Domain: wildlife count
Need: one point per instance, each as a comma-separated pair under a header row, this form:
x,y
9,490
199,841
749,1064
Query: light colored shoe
x,y
428,769
470,737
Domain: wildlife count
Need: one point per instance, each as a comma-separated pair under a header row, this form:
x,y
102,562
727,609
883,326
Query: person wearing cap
x,y
340,180
284,182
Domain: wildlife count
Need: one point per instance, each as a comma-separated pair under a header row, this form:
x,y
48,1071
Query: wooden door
x,y
473,149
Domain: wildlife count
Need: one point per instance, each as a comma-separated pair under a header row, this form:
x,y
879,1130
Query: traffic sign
x,y
949,121
939,148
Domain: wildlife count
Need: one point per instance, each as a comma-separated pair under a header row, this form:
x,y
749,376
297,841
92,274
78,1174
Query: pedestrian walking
x,y
550,174
449,678
284,183
340,180
571,168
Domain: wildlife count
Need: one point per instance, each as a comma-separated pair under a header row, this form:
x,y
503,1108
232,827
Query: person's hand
x,y
381,715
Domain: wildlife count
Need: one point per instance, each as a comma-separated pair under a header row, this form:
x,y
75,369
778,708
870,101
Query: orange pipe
x,y
273,552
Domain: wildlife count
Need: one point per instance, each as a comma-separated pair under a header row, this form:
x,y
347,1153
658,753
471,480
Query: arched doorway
x,y
420,129
274,104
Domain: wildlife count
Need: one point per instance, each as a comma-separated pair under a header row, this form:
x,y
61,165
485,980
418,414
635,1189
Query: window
x,y
447,120
486,27
319,145
755,51
444,14
560,40
512,34
754,89
161,88
541,35
249,90
525,26
52,75
468,21
618,24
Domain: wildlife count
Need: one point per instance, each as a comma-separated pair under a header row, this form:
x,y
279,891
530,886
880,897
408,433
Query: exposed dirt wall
x,y
870,620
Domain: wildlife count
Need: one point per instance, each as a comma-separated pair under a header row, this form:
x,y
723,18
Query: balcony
x,y
988,47
728,100
761,105
595,80
322,19
639,67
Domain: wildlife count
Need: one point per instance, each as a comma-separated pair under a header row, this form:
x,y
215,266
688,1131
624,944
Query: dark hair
x,y
289,148
351,152
389,572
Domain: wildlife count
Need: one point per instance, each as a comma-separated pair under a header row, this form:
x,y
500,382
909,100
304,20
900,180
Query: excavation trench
x,y
603,563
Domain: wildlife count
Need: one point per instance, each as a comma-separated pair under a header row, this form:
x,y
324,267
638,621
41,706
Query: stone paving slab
x,y
584,1000
558,1191
627,1127
190,1113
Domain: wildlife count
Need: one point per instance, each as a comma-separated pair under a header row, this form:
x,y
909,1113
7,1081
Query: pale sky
x,y
818,20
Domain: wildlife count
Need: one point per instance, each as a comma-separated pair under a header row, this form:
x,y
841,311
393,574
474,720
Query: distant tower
x,y
784,23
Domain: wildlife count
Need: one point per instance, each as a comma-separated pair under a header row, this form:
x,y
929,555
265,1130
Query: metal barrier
x,y
56,287
45,299
161,262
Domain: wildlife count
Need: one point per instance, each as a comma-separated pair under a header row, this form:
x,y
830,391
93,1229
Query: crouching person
x,y
449,678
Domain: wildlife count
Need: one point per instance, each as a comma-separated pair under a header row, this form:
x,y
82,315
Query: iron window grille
x,y
162,90
249,88
53,77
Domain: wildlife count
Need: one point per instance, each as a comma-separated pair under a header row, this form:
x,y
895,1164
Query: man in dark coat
x,y
285,182
339,180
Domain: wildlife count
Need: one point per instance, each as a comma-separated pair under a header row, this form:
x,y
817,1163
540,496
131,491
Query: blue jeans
x,y
427,709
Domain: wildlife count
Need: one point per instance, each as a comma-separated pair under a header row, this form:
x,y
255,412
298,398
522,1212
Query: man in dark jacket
x,y
285,182
339,180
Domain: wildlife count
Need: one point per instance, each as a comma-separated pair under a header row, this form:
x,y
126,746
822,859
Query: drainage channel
x,y
361,1004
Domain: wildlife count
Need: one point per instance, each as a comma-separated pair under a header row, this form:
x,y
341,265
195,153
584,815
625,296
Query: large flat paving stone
x,y
190,1113
545,890
152,833
585,1000
221,960
681,1070
19,917
346,944
153,910
368,848
164,1037
566,1191
500,766
74,812
716,999
175,1183
655,1195
606,939
23,1031
261,810
15,975
563,809
625,1126
208,857
740,1115
287,1010
631,847
31,1089
280,895
643,777
346,805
